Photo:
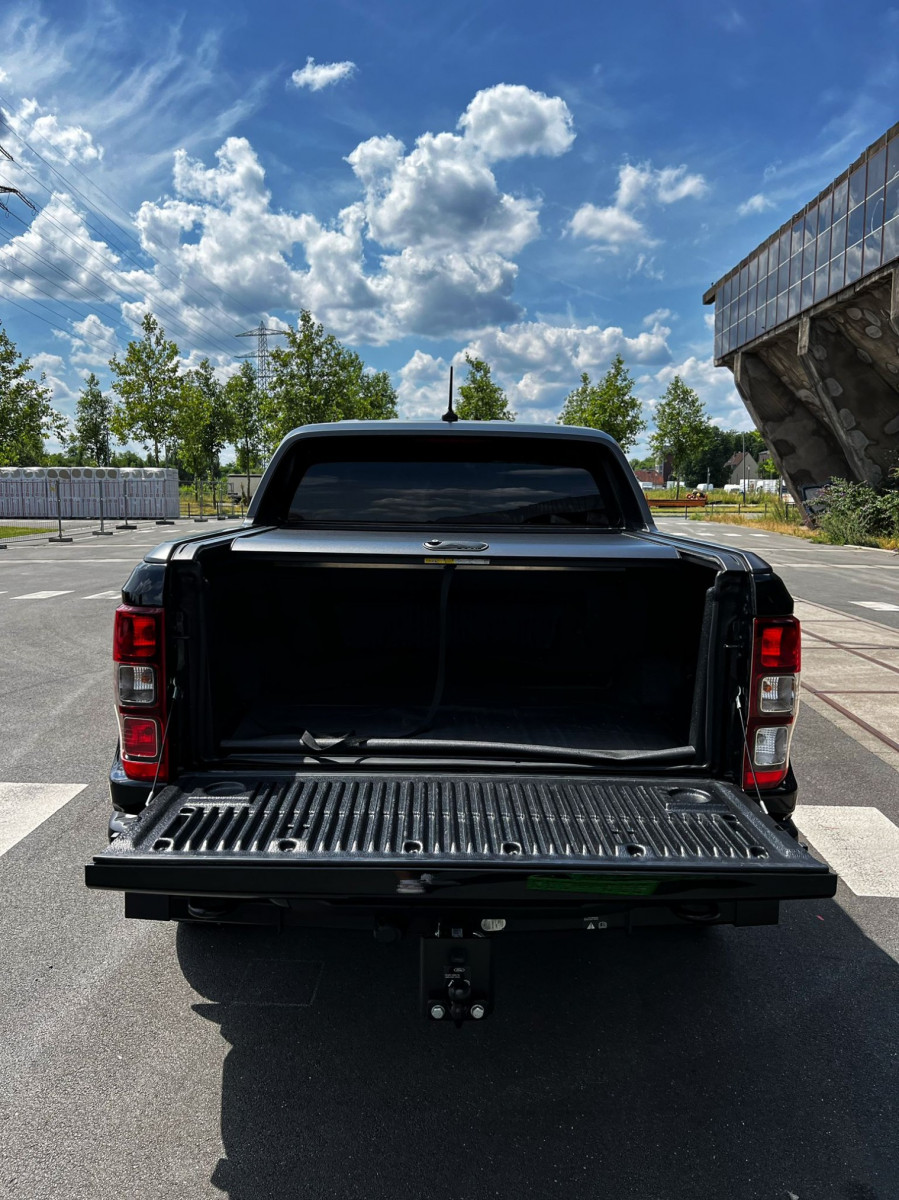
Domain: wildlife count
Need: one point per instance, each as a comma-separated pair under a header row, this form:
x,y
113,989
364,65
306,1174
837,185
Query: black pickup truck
x,y
449,681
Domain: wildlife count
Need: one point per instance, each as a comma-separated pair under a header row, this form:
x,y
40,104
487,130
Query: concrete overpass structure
x,y
809,325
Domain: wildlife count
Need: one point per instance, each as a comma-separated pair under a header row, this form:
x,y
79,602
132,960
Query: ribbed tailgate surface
x,y
381,819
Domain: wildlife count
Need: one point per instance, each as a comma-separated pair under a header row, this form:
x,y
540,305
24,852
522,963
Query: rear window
x,y
454,482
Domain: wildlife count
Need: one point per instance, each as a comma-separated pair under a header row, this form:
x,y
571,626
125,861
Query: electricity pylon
x,y
261,333
5,190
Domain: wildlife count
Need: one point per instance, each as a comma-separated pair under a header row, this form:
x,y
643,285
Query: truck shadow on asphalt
x,y
738,1063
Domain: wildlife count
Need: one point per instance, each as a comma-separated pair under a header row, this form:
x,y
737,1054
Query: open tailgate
x,y
348,835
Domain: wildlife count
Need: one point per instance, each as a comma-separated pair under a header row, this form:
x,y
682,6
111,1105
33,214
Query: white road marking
x,y
24,806
879,605
103,596
42,595
860,843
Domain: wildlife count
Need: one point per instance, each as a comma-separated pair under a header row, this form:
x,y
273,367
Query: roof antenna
x,y
449,416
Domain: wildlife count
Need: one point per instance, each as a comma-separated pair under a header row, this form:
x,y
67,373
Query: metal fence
x,y
57,505
213,500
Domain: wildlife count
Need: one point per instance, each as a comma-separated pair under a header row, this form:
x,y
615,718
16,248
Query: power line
x,y
116,322
25,279
181,321
96,208
28,312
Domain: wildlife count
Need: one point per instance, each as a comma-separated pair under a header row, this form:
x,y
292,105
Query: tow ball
x,y
456,977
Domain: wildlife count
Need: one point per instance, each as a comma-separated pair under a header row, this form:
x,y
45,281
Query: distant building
x,y
739,472
237,486
652,478
808,322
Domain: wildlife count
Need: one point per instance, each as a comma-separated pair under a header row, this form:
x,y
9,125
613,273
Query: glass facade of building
x,y
845,233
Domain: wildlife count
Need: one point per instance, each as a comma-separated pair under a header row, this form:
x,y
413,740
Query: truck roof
x,y
397,425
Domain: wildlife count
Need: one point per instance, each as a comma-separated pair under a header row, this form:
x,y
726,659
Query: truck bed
x,y
384,834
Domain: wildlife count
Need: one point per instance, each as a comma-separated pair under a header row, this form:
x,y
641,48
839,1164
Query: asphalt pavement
x,y
140,1059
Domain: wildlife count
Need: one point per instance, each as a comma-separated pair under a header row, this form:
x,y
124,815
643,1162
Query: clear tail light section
x,y
139,655
773,701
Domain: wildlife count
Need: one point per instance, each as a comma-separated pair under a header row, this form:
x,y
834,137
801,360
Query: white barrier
x,y
147,493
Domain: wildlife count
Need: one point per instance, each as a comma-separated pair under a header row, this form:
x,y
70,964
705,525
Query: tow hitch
x,y
456,976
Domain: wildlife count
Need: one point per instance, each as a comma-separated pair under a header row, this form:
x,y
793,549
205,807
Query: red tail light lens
x,y
139,650
140,737
137,633
778,645
773,698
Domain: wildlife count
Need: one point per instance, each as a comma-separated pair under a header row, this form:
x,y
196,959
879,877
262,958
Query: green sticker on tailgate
x,y
596,884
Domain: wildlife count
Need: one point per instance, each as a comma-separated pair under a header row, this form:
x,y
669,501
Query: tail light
x,y
139,654
773,701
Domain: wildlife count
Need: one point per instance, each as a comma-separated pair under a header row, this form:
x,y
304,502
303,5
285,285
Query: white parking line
x,y
103,596
43,595
860,843
878,605
24,806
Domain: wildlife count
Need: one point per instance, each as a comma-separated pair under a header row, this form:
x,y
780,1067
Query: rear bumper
x,y
419,842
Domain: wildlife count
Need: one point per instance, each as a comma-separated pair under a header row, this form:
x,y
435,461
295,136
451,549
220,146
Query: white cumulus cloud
x,y
58,258
67,143
423,387
511,121
755,204
639,185
440,194
92,342
537,364
658,316
316,76
612,226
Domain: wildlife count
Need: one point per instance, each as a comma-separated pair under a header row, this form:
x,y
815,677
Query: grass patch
x,y
769,524
792,529
14,531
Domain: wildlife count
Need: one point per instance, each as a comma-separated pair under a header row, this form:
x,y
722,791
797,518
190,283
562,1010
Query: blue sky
x,y
541,185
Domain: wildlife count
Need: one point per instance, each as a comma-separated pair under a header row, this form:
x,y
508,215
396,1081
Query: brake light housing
x,y
773,701
138,652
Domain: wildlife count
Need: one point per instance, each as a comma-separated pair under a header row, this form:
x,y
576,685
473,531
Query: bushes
x,y
857,513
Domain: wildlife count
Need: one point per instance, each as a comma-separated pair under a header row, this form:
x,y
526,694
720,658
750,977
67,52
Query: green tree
x,y
609,405
245,419
482,399
682,428
92,424
314,378
768,469
147,383
26,413
202,421
709,463
377,396
127,458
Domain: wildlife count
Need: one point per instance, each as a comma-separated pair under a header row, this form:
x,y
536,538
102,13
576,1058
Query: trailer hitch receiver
x,y
456,977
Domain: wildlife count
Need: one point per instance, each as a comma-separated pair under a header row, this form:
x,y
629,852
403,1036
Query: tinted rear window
x,y
452,484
